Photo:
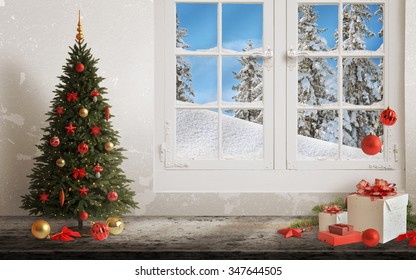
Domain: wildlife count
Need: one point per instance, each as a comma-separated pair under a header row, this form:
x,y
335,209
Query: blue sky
x,y
240,22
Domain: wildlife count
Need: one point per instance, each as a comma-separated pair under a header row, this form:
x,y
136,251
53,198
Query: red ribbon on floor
x,y
380,189
334,209
65,235
78,172
411,234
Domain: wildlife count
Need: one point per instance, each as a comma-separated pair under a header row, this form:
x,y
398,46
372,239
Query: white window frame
x,y
284,176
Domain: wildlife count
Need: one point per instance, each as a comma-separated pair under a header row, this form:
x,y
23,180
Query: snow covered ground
x,y
197,137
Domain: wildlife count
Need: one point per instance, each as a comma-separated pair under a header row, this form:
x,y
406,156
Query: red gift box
x,y
340,229
336,240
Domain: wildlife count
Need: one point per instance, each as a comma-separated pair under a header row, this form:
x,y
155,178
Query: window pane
x,y
317,25
242,134
362,27
196,134
317,81
242,79
196,79
362,81
242,23
356,125
318,134
196,26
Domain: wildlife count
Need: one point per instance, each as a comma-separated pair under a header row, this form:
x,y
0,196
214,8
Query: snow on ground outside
x,y
197,137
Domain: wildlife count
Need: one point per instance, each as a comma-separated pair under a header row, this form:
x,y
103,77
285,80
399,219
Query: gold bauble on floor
x,y
115,225
41,229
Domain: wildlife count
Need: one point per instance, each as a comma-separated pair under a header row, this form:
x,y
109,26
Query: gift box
x,y
327,219
341,229
385,214
337,240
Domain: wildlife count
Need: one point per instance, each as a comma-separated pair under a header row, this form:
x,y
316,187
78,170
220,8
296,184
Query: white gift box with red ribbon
x,y
385,214
329,219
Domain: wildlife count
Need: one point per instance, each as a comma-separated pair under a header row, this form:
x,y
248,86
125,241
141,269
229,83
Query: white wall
x,y
34,40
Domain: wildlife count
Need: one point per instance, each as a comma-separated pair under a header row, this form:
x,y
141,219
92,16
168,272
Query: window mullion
x,y
219,79
340,86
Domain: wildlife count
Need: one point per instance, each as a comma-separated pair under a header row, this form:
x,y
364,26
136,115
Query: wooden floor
x,y
187,238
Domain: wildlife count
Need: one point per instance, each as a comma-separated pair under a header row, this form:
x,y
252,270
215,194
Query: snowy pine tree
x,y
314,76
362,80
250,88
184,89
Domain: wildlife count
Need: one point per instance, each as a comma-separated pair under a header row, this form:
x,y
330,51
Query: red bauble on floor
x,y
371,237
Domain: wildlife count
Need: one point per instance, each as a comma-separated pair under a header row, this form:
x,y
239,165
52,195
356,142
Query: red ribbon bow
x,y
71,96
380,189
411,234
334,209
78,172
65,235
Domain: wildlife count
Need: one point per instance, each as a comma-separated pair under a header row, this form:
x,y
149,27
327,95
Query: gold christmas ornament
x,y
60,162
83,112
41,229
79,36
109,146
115,225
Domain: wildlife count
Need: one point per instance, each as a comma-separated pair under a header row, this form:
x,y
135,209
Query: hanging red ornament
x,y
54,141
60,111
78,173
79,67
83,148
71,96
61,197
44,197
112,196
70,129
98,169
371,145
83,216
371,237
83,191
388,117
95,95
107,113
99,231
95,130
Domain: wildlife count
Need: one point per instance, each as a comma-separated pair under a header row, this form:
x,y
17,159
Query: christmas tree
x,y
78,174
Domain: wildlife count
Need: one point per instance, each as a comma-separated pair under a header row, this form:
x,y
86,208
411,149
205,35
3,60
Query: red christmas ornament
x,y
60,111
388,117
371,237
54,141
98,169
112,196
44,197
65,235
95,130
79,67
83,216
72,96
83,191
291,232
78,173
371,145
70,129
107,113
83,148
95,95
99,231
61,197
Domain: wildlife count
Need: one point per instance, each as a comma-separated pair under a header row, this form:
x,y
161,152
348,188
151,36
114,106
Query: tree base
x,y
84,231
